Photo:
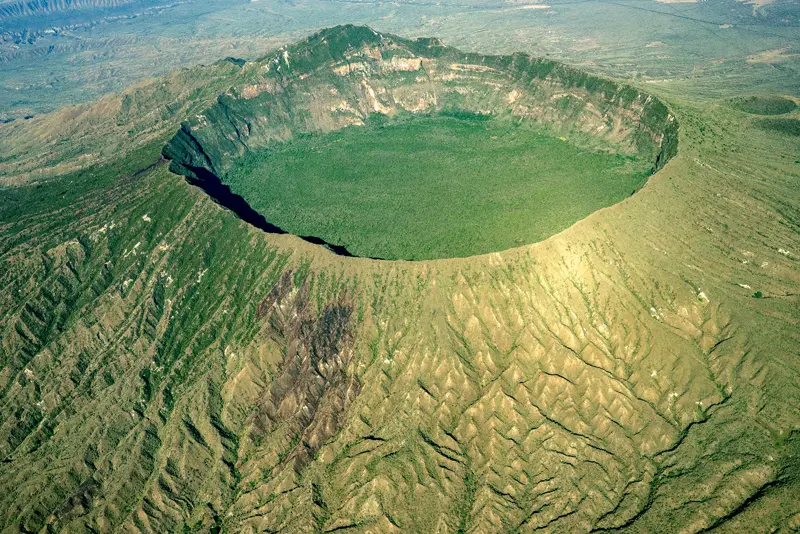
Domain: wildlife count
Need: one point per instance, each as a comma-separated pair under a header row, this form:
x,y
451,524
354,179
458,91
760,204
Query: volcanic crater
x,y
377,146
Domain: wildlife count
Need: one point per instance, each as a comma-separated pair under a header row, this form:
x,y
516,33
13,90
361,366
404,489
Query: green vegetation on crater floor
x,y
432,187
781,126
764,105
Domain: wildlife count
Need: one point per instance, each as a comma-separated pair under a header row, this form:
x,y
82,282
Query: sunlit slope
x,y
167,367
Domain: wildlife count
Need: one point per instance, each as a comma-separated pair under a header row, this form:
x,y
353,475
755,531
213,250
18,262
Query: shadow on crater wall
x,y
222,195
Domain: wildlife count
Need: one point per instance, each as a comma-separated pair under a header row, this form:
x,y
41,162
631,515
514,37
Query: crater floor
x,y
432,187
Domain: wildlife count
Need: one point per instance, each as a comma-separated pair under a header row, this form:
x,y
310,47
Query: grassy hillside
x,y
167,367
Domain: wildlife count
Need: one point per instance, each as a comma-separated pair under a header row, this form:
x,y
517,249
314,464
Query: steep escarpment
x,y
28,8
25,22
343,76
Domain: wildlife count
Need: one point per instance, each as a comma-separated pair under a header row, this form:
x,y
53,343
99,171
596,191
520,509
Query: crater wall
x,y
341,77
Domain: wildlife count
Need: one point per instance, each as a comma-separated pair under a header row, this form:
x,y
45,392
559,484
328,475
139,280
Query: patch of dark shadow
x,y
239,62
160,161
764,105
220,193
80,502
312,390
336,249
781,126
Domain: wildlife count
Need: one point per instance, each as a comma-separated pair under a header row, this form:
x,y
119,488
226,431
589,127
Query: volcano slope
x,y
170,367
